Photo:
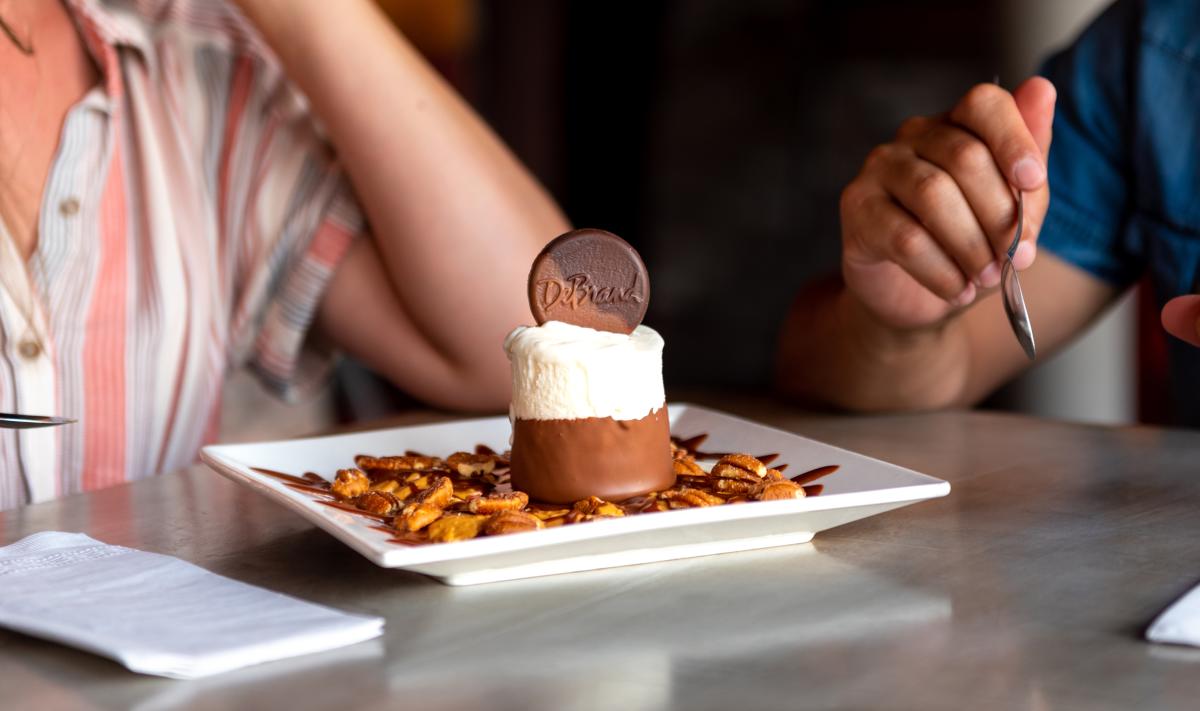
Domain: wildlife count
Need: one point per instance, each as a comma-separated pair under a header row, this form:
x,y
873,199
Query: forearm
x,y
456,218
833,351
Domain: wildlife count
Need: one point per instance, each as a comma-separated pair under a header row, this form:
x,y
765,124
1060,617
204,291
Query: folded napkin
x,y
1180,624
157,614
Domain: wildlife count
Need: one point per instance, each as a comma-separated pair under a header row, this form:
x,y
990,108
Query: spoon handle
x,y
1012,248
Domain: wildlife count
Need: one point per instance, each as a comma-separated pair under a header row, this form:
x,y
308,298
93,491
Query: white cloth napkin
x,y
157,614
1180,624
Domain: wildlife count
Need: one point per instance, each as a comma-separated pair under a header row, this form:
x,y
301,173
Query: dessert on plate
x,y
588,407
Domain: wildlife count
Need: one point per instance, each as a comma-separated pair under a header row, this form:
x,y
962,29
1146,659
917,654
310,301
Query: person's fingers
x,y
936,200
1181,318
991,113
1035,100
878,229
971,164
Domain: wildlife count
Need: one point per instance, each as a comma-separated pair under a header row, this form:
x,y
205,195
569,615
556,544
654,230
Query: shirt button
x,y
68,207
29,349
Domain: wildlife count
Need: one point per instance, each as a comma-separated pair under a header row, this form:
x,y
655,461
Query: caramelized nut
x,y
468,464
515,501
350,483
511,522
548,514
774,475
418,516
427,506
778,490
406,463
687,466
389,485
595,506
687,498
733,486
457,527
438,493
739,466
383,503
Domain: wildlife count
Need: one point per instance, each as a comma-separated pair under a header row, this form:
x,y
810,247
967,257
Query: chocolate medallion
x,y
589,278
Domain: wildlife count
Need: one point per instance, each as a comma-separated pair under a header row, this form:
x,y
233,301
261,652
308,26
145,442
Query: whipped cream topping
x,y
566,372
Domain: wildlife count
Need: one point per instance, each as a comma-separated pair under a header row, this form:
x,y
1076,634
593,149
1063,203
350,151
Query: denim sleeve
x,y
1089,164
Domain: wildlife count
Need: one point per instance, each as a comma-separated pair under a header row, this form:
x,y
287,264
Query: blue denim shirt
x,y
1125,161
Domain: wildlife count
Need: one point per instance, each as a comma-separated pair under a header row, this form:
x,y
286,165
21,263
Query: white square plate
x,y
861,487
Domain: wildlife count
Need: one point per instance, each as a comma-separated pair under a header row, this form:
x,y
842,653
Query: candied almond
x,y
515,501
739,466
511,522
779,490
456,527
468,464
350,483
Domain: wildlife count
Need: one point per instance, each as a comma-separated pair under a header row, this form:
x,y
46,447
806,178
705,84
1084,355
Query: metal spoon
x,y
1010,285
24,422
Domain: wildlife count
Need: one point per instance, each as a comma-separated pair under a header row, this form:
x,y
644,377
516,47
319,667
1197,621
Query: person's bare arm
x,y
455,219
834,351
915,322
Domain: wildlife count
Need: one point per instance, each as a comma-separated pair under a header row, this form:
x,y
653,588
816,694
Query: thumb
x,y
1181,318
1035,100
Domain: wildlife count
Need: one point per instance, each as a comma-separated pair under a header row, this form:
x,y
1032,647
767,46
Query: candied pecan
x,y
687,498
466,492
595,506
414,517
417,481
778,490
456,527
438,493
511,522
407,463
548,514
739,466
515,501
427,506
389,485
687,466
733,486
350,483
468,464
383,503
774,475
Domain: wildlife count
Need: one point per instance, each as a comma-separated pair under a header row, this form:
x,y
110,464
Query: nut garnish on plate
x,y
427,499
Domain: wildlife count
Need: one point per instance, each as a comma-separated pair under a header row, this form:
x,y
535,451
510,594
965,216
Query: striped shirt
x,y
190,221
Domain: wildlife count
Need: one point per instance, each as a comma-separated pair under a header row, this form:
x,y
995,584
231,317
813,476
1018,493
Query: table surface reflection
x,y
1028,587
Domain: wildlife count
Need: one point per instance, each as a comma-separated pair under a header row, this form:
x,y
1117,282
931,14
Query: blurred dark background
x,y
716,137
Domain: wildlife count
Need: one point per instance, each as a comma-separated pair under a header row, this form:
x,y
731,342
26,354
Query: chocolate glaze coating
x,y
589,278
563,461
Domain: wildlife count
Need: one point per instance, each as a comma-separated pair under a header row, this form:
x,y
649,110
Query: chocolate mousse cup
x,y
589,415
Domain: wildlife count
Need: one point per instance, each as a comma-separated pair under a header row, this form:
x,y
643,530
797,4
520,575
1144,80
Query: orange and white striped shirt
x,y
190,222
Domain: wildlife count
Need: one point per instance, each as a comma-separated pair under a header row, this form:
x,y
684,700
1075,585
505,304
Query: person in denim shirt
x,y
916,320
